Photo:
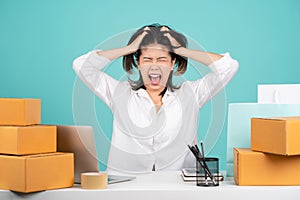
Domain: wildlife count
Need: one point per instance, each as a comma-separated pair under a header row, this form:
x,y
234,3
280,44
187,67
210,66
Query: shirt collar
x,y
141,92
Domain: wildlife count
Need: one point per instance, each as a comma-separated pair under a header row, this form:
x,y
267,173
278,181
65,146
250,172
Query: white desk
x,y
163,185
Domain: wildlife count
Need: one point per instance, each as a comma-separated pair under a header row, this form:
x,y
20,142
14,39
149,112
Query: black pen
x,y
202,149
198,149
203,156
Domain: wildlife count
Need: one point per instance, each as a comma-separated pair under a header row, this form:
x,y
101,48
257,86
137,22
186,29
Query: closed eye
x,y
162,59
146,59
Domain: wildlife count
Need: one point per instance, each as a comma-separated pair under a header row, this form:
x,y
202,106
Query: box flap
x,y
290,118
44,155
243,150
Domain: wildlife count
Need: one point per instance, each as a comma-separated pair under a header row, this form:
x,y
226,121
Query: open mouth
x,y
155,79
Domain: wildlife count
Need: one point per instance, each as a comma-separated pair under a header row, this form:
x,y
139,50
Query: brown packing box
x,y
20,112
38,172
257,168
276,135
34,139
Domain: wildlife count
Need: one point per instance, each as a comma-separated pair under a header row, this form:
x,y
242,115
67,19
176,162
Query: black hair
x,y
155,35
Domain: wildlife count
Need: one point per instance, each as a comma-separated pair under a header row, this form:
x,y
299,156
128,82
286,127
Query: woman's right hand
x,y
134,46
131,48
123,51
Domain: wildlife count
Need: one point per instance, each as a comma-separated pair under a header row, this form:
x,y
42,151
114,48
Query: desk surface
x,y
163,185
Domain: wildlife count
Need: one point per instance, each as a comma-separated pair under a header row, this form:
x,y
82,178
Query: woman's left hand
x,y
173,41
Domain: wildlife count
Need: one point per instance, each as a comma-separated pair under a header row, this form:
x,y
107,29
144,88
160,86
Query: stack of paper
x,y
189,174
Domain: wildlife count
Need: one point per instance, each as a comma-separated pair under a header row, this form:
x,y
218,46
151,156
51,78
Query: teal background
x,y
39,39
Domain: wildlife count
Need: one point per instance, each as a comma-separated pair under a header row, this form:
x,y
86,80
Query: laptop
x,y
80,141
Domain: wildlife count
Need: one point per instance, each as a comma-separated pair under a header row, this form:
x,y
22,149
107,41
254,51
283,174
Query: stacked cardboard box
x,y
28,158
274,157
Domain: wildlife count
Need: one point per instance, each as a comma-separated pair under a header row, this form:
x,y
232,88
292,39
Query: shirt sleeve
x,y
88,69
222,71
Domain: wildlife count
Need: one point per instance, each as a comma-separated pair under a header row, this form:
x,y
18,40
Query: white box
x,y
278,94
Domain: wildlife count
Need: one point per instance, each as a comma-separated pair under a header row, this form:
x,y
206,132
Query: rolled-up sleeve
x,y
88,68
222,71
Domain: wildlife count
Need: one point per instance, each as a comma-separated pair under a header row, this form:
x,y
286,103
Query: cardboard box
x,y
38,172
24,140
20,112
257,168
276,135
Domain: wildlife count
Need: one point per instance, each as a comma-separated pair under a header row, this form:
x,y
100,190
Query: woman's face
x,y
155,64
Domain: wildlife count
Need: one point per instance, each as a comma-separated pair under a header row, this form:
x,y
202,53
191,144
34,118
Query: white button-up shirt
x,y
142,136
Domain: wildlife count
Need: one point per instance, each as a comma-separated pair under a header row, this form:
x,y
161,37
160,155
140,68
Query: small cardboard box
x,y
276,135
20,112
257,168
38,172
22,140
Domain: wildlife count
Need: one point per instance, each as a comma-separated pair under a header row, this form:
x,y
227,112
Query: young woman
x,y
154,120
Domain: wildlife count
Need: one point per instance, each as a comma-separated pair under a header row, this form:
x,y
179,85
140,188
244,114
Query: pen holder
x,y
207,172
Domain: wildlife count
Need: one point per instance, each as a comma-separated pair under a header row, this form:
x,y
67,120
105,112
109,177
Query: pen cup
x,y
207,172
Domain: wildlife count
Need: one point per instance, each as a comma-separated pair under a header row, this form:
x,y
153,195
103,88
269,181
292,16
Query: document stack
x,y
189,174
28,158
274,156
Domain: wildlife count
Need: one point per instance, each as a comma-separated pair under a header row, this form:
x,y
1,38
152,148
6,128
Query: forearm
x,y
222,71
115,53
203,57
88,69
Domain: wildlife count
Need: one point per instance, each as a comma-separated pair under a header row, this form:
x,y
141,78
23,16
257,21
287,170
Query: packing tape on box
x,y
94,180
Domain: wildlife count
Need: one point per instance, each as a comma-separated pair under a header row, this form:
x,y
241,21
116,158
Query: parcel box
x,y
38,172
276,135
258,168
21,140
20,112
